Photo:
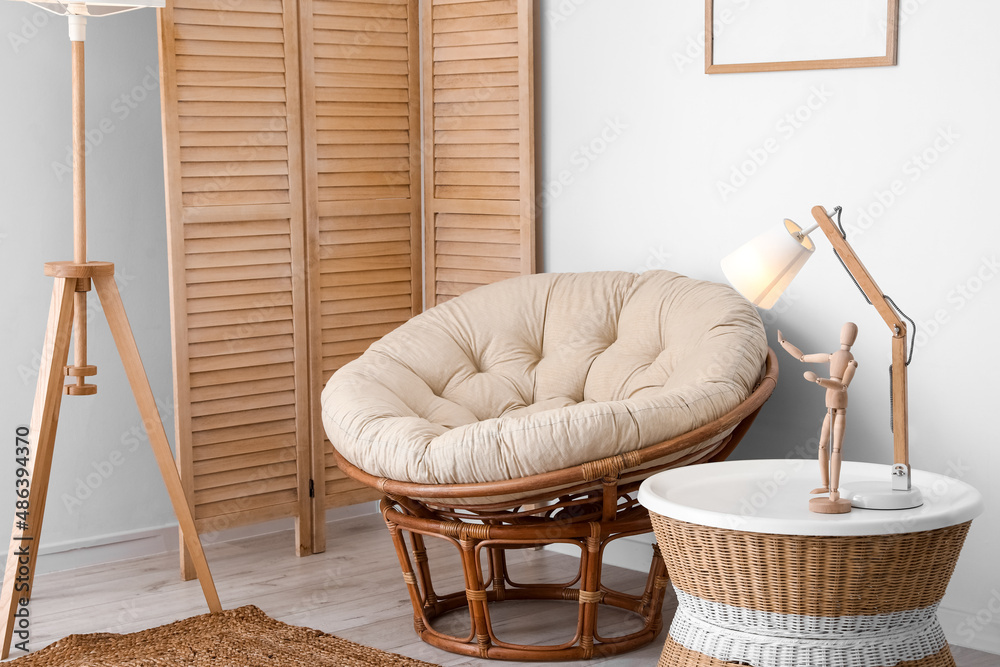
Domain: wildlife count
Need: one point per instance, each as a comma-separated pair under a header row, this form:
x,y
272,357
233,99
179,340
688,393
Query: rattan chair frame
x,y
588,506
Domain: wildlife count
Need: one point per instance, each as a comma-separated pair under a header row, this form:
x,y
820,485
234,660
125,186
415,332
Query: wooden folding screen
x,y
292,149
361,105
232,156
478,132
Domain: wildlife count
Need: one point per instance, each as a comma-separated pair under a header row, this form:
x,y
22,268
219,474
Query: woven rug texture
x,y
244,637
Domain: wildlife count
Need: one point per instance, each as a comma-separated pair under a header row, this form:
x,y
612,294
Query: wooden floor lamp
x,y
68,314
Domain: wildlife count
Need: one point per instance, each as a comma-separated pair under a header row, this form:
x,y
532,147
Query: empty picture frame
x,y
777,35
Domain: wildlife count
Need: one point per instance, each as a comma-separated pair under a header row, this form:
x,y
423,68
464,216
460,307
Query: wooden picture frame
x,y
889,58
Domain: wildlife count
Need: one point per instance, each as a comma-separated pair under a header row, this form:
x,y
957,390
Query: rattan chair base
x,y
487,544
675,655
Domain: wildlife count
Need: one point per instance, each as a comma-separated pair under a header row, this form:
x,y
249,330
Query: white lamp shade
x,y
94,7
762,268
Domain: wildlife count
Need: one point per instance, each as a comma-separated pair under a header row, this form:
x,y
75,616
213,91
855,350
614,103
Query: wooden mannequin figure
x,y
831,439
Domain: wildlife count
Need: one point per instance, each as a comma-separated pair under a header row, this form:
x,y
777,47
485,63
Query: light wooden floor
x,y
354,590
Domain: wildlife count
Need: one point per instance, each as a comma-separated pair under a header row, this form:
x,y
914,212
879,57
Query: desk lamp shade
x,y
762,268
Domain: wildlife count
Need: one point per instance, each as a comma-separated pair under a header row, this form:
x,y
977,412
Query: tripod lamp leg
x,y
114,310
21,556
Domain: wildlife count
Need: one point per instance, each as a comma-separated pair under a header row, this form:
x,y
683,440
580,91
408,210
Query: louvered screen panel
x,y
362,154
232,138
295,215
479,127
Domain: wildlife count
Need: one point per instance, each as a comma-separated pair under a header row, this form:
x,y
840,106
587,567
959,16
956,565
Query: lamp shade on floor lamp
x,y
94,7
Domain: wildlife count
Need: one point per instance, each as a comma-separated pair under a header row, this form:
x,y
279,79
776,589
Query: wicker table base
x,y
675,655
791,600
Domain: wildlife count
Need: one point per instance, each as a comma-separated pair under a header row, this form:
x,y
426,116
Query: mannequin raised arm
x,y
818,358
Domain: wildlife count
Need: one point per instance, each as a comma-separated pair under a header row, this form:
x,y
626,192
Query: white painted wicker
x,y
767,639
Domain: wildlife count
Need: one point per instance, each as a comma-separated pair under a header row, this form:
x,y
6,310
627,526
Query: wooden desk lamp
x,y
68,311
764,267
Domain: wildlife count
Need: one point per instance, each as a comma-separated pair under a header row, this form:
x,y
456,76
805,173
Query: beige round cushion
x,y
544,372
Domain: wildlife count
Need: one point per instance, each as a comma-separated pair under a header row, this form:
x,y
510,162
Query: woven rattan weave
x,y
675,655
588,506
244,637
820,575
843,601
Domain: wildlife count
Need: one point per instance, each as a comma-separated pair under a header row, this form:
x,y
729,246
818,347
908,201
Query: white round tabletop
x,y
772,496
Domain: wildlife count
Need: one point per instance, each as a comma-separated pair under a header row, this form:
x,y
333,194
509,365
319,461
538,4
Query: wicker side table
x,y
762,581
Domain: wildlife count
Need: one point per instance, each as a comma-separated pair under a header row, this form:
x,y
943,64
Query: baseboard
x,y
962,628
73,554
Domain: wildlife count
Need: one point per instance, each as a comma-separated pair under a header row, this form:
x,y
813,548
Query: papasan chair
x,y
526,413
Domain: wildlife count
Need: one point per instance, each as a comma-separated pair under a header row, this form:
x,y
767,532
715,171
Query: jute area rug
x,y
244,637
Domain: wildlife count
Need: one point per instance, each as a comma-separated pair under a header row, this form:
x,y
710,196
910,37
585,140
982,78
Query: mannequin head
x,y
848,334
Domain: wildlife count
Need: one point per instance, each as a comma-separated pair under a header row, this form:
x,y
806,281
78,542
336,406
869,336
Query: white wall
x,y
648,199
648,196
95,493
